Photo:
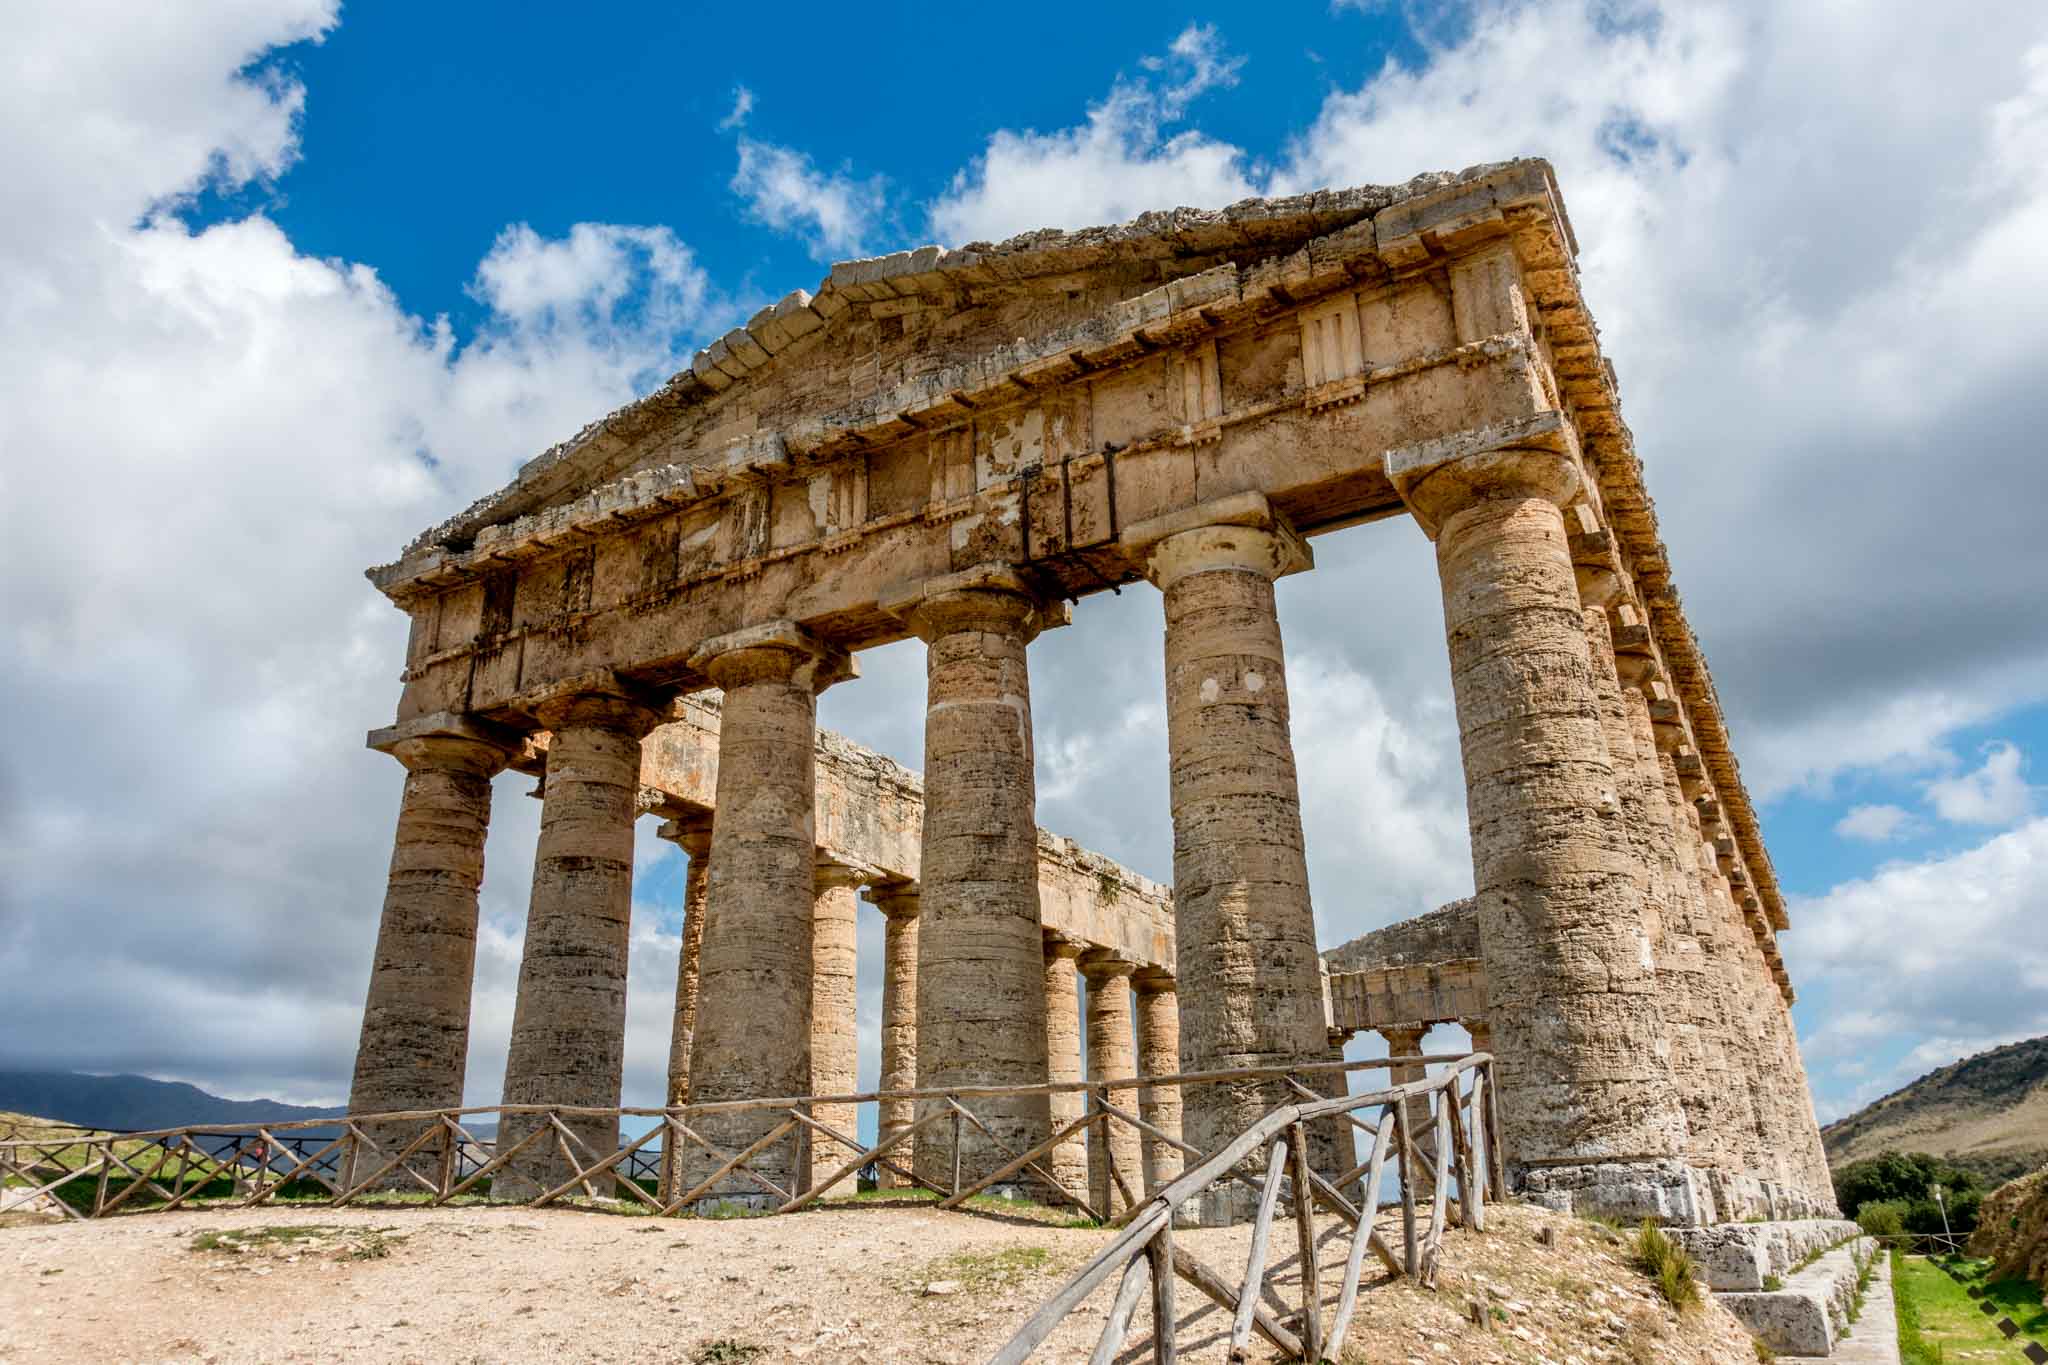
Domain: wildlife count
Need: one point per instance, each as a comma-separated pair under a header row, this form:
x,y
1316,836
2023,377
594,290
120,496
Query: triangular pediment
x,y
883,331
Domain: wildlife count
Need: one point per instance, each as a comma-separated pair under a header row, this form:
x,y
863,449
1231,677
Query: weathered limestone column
x,y
695,841
899,907
981,959
1159,1055
1067,1162
754,1020
415,1036
835,1039
1112,1145
1592,1117
1407,1042
569,1021
1251,993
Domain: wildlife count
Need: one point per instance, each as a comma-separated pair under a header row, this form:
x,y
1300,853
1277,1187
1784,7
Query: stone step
x,y
1742,1256
1807,1316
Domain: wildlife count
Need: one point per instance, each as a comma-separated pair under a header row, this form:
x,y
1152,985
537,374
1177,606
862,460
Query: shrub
x,y
1883,1218
1669,1265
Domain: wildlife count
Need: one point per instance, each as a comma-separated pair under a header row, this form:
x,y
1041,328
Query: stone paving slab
x,y
1874,1339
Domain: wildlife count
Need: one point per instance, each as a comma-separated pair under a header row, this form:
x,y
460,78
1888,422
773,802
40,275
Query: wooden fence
x,y
1466,1127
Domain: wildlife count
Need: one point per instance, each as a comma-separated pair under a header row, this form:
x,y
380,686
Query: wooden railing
x,y
1466,1126
434,1156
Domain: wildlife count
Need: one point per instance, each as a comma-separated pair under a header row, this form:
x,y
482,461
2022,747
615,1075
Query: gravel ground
x,y
867,1283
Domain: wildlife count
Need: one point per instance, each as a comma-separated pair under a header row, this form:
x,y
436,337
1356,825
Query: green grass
x,y
1940,1322
1668,1265
726,1351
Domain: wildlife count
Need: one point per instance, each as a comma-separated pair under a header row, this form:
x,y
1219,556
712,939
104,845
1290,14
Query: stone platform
x,y
1740,1257
1808,1317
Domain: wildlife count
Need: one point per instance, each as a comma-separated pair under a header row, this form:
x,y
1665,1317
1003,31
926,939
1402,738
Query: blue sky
x,y
291,283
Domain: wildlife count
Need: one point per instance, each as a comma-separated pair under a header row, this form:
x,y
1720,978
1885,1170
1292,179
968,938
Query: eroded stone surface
x,y
569,1020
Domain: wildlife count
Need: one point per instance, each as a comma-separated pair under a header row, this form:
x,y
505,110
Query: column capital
x,y
597,701
1100,964
774,651
896,900
1058,945
448,739
994,597
1403,1042
829,873
693,835
1240,533
1154,981
1438,479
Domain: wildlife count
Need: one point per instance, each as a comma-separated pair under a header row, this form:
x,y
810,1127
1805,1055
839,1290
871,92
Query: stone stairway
x,y
1760,1273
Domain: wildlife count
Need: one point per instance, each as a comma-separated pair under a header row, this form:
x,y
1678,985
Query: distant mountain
x,y
132,1103
1988,1113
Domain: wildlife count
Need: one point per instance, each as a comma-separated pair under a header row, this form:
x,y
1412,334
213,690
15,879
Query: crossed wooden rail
x,y
344,1159
1467,1131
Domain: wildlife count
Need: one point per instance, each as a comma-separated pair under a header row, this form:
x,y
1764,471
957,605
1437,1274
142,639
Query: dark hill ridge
x,y
1988,1113
135,1103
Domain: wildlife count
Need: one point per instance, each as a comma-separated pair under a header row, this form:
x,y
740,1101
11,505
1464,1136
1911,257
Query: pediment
x,y
907,341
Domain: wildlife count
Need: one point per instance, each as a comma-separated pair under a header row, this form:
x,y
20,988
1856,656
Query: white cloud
x,y
207,436
1874,824
1945,951
1995,794
1202,63
832,211
742,105
1120,162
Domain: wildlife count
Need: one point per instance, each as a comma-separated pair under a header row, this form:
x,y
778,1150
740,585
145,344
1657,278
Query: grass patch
x,y
1944,1323
243,1239
1669,1266
984,1270
727,1351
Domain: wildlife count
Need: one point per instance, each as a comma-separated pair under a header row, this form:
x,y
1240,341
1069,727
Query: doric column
x,y
569,1021
835,1039
899,907
754,1019
1112,1144
981,961
695,841
1407,1042
415,1035
1251,994
1159,1055
1068,1162
1592,1117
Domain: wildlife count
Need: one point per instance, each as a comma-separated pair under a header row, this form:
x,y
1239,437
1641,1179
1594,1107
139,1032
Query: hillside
x,y
1988,1113
131,1103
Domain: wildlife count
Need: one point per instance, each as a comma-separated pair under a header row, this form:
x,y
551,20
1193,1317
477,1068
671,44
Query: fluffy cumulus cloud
x,y
1924,962
1128,156
832,211
1875,824
208,434
1994,794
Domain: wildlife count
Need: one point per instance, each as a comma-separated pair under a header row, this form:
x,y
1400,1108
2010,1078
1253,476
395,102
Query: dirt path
x,y
859,1284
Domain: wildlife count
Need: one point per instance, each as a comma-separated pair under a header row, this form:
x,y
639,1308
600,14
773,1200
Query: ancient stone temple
x,y
962,445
